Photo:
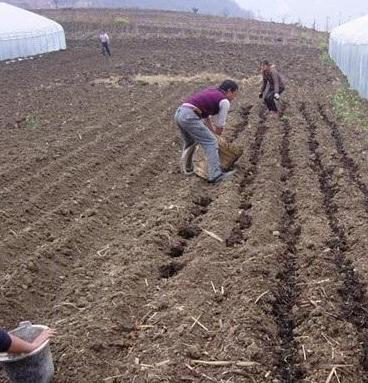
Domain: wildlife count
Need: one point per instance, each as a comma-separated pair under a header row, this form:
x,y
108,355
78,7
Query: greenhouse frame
x,y
24,33
348,47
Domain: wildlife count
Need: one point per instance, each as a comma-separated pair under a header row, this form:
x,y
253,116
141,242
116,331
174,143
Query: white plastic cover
x,y
24,33
349,49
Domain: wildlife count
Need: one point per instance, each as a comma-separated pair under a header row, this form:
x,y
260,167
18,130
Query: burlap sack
x,y
229,153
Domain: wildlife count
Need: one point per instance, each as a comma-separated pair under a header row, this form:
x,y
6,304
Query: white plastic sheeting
x,y
349,49
23,33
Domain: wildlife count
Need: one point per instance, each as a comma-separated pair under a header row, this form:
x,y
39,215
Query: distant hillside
x,y
212,7
217,7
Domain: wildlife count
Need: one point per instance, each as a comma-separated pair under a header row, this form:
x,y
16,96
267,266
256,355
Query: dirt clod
x,y
177,249
245,221
235,237
168,271
189,231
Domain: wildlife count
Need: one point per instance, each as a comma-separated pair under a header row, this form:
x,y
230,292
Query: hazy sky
x,y
324,12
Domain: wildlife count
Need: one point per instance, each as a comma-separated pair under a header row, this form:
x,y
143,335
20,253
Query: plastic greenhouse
x,y
24,33
349,49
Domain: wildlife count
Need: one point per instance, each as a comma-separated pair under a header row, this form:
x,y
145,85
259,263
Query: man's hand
x,y
218,131
276,96
212,127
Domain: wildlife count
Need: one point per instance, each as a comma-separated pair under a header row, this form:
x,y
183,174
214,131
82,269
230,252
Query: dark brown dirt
x,y
104,239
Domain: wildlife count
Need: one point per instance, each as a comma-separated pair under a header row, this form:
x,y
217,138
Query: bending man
x,y
193,118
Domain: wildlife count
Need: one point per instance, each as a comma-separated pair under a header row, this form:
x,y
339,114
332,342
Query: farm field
x,y
103,238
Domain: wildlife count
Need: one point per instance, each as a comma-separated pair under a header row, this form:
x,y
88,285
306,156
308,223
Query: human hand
x,y
44,336
218,131
276,96
48,333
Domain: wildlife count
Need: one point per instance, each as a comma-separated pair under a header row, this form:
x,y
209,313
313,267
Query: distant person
x,y
104,39
272,87
12,344
193,118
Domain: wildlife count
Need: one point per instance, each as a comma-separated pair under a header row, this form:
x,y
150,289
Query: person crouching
x,y
272,87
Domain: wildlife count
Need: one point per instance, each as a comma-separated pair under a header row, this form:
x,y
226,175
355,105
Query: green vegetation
x,y
32,122
322,45
326,58
349,106
304,37
121,21
284,118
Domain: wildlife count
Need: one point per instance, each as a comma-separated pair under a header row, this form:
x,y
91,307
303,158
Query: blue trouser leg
x,y
193,130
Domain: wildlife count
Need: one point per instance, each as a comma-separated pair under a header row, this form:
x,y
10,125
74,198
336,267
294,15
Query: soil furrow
x,y
89,212
177,246
47,201
353,290
255,265
80,153
348,162
322,335
68,247
240,126
140,271
14,172
196,256
287,294
244,220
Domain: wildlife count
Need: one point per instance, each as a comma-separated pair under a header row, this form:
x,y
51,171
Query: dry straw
x,y
199,78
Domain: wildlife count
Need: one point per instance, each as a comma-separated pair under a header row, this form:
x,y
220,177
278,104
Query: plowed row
x,y
104,239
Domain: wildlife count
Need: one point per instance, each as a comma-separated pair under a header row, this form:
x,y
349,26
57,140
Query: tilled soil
x,y
104,239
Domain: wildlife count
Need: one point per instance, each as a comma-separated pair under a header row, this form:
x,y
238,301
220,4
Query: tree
x,y
195,10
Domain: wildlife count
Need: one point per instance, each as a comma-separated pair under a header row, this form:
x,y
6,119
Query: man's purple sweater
x,y
207,101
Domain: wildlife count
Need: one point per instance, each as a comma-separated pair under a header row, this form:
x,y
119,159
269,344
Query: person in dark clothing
x,y
272,87
15,345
